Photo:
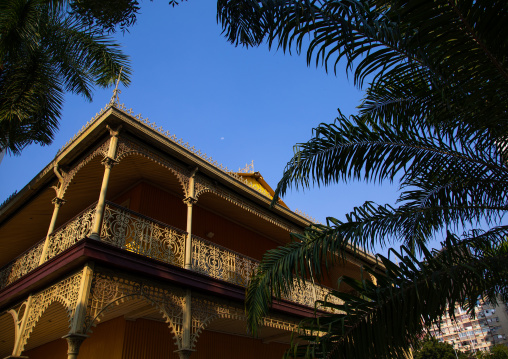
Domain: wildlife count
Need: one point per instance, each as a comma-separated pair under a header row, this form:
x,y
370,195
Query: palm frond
x,y
386,319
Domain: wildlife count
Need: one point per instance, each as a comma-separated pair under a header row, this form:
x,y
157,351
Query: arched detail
x,y
64,292
101,149
128,148
109,290
204,186
204,311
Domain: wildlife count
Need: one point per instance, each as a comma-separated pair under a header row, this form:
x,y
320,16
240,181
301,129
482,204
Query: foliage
x,y
45,51
499,351
431,348
434,118
107,15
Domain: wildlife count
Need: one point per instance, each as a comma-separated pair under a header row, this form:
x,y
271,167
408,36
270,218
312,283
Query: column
x,y
77,333
74,342
189,201
58,201
186,347
108,162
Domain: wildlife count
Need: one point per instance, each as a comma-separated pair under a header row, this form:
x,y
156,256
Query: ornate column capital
x,y
57,201
109,162
74,341
189,201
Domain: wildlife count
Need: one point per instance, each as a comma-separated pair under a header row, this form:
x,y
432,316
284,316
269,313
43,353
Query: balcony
x,y
136,233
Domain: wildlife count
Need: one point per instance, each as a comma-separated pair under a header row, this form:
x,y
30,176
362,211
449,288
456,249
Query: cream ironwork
x,y
65,292
139,234
109,289
221,263
71,233
22,265
134,232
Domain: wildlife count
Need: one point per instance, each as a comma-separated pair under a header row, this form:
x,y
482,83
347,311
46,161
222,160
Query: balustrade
x,y
134,232
139,234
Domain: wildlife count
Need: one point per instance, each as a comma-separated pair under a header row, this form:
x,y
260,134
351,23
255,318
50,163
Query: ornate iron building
x,y
133,244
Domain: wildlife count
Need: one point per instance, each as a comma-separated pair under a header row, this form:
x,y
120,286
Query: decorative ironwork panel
x,y
101,149
221,263
322,293
65,292
109,289
127,147
71,233
203,185
125,229
206,309
23,264
304,292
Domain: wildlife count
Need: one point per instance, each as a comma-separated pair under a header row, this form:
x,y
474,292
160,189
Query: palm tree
x,y
435,119
45,51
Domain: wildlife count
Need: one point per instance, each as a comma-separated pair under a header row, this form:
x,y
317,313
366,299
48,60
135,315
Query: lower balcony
x,y
133,232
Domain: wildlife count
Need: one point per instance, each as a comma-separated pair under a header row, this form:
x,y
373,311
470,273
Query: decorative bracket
x,y
109,162
189,201
58,201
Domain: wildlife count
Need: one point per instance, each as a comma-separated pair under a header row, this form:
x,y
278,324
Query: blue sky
x,y
237,105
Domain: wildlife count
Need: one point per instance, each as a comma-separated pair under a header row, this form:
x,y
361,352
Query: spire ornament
x,y
115,98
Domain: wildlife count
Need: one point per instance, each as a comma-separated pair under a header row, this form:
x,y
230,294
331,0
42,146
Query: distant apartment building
x,y
488,328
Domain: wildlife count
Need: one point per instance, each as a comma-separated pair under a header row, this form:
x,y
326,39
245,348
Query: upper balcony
x,y
134,232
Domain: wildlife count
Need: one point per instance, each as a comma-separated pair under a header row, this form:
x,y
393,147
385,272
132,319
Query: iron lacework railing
x,y
137,233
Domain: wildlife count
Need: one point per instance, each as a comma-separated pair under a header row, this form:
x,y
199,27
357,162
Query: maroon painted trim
x,y
117,258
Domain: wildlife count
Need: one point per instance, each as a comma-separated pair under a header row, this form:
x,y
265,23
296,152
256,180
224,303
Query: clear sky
x,y
237,105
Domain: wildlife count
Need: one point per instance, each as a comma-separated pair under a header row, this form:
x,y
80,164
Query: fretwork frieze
x,y
101,149
65,292
127,147
203,185
109,289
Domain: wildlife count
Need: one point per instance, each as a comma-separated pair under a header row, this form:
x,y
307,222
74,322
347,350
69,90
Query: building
x,y
488,328
132,244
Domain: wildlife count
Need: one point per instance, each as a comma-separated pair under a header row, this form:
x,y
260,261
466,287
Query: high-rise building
x,y
133,244
488,328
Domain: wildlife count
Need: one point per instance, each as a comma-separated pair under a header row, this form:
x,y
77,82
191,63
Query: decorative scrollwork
x,y
203,186
71,233
221,263
65,292
206,309
101,149
23,264
127,230
127,147
109,289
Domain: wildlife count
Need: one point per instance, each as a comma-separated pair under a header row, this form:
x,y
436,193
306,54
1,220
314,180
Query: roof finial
x,y
249,168
115,99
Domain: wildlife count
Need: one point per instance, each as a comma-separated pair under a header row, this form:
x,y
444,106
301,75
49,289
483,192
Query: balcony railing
x,y
136,233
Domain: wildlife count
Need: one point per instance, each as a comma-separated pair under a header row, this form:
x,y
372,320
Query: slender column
x,y
78,320
77,333
58,201
185,350
189,201
108,162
